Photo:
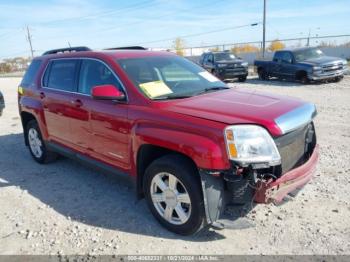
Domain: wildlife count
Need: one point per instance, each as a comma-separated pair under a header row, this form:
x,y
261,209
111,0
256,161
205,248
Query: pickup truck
x,y
302,64
189,144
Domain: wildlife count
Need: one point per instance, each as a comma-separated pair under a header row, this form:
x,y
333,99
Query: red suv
x,y
190,144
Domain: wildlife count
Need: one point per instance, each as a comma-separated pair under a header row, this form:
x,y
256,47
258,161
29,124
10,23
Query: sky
x,y
155,23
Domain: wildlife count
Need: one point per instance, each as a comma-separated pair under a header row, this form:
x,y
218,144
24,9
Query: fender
x,y
34,107
204,151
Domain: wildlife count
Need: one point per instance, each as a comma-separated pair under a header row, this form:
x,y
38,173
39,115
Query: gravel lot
x,y
66,208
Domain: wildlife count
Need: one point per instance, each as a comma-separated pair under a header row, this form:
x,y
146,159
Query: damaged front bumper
x,y
275,191
217,193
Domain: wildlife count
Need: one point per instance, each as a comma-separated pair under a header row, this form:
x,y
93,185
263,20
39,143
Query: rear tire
x,y
338,79
37,147
174,195
262,74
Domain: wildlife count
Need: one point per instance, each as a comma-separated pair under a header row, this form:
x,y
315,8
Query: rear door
x,y
59,83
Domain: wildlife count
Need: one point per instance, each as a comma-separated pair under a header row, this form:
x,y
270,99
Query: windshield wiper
x,y
214,88
172,97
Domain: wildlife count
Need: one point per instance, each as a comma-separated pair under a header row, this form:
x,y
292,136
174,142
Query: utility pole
x,y
264,30
29,38
308,38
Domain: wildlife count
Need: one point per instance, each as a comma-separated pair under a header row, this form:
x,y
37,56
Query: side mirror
x,y
107,92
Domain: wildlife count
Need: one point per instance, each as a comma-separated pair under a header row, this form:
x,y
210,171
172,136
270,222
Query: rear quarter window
x,y
31,73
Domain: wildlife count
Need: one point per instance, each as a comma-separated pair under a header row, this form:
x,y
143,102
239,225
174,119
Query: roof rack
x,y
67,50
127,48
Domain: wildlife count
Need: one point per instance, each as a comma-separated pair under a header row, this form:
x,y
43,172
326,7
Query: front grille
x,y
296,147
332,67
234,66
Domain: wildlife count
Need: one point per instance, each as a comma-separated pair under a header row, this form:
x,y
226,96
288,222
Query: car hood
x,y
278,114
323,60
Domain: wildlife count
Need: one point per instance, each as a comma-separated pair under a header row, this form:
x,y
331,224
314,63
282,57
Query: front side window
x,y
167,77
277,57
287,57
61,75
95,73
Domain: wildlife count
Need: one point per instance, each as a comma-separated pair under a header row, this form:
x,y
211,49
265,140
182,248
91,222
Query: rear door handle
x,y
77,103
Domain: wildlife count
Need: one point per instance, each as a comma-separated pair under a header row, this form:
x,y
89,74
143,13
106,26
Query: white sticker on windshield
x,y
208,76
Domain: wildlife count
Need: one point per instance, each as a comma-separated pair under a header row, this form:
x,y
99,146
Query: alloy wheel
x,y
170,198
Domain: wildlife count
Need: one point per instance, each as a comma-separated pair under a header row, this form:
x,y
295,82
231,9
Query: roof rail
x,y
67,50
127,48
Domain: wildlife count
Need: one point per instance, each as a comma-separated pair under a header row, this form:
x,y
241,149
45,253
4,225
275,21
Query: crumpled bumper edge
x,y
275,191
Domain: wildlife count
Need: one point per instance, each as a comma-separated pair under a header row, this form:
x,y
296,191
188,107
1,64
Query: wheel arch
x,y
26,117
300,73
147,153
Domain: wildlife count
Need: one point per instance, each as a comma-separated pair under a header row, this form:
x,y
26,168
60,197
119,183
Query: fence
x,y
332,45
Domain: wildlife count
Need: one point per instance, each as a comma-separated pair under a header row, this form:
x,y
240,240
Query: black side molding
x,y
90,162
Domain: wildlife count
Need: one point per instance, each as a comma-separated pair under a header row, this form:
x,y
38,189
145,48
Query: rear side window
x,y
61,75
32,71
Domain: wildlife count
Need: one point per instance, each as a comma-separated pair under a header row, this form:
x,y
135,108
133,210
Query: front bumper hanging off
x,y
275,191
215,190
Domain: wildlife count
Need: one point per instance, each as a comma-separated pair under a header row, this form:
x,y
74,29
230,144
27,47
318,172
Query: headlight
x,y
222,65
250,144
245,64
317,68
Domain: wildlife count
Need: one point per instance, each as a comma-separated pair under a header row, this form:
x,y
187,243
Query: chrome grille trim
x,y
296,118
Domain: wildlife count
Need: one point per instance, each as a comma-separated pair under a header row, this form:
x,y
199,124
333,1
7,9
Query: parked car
x,y
302,64
189,144
224,65
2,103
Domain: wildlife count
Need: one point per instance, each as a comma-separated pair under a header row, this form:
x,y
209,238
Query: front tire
x,y
304,79
173,194
242,78
36,144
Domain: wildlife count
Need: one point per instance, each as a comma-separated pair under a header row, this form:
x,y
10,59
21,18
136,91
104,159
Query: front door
x,y
105,135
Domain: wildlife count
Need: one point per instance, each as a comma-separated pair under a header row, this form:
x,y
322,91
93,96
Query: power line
x,y
132,7
199,34
168,14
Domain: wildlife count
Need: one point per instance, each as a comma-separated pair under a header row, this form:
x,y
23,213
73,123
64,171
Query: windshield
x,y
167,77
307,54
224,56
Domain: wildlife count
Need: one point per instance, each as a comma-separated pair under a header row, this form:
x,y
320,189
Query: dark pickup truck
x,y
302,64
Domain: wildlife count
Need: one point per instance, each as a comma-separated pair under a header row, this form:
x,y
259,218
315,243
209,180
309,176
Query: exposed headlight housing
x,y
222,65
245,64
251,144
